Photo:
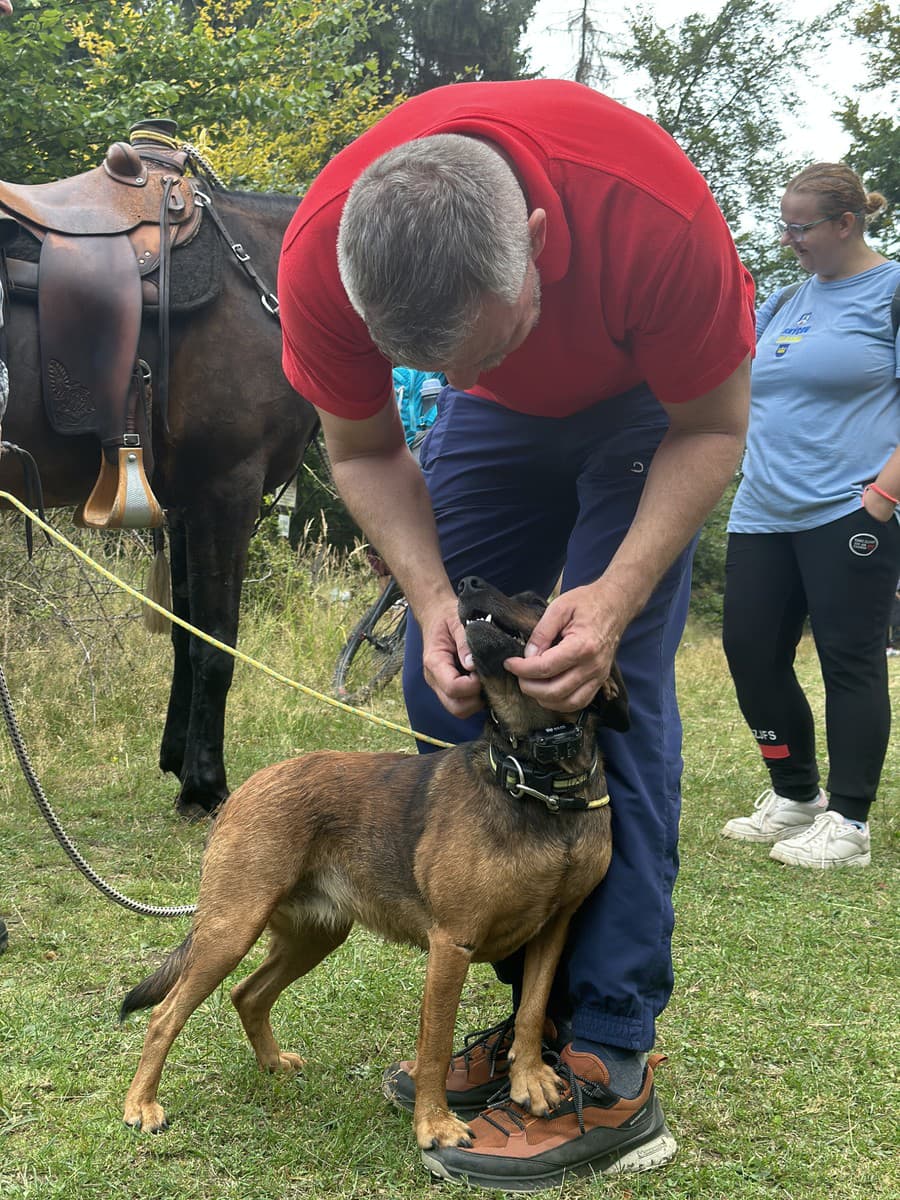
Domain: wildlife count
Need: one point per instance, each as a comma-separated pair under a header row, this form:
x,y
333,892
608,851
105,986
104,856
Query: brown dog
x,y
470,852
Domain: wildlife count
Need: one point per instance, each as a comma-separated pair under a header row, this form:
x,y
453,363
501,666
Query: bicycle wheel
x,y
373,653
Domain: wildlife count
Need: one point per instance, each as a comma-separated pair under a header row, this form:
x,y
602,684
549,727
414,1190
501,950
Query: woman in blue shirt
x,y
814,527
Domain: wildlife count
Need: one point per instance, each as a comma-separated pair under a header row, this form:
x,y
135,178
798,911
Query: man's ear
x,y
537,232
611,703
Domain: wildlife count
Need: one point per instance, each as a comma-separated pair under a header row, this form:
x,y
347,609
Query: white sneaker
x,y
775,817
829,842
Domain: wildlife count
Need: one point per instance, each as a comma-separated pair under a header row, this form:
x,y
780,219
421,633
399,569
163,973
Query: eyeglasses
x,y
797,232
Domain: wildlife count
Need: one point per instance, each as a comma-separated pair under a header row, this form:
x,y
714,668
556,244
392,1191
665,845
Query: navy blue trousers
x,y
517,499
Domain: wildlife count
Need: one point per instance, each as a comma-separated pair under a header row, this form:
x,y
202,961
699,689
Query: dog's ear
x,y
611,703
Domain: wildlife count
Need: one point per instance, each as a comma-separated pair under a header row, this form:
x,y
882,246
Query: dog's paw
x,y
442,1129
538,1091
146,1118
285,1062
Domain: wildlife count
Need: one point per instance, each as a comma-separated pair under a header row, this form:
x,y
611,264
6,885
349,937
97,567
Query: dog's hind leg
x,y
217,946
293,952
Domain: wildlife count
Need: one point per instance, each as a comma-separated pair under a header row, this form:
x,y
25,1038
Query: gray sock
x,y
626,1067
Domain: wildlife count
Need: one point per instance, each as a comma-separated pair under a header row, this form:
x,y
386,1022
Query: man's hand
x,y
443,650
571,651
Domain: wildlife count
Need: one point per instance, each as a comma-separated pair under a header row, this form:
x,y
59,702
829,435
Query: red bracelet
x,y
873,487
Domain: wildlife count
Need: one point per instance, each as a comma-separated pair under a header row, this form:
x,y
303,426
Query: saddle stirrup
x,y
122,497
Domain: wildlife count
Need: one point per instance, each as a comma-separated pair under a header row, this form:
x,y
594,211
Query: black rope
x,y
34,495
135,906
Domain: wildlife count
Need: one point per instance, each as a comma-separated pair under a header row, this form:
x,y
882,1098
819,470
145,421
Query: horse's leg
x,y
174,739
219,527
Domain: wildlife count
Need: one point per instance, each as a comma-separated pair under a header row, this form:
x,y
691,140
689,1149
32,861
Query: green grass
x,y
781,1035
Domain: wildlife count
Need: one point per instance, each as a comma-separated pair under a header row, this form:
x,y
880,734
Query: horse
x,y
234,430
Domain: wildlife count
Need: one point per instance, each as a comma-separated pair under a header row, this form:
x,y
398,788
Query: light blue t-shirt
x,y
825,407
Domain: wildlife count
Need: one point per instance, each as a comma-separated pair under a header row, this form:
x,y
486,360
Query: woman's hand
x,y
877,506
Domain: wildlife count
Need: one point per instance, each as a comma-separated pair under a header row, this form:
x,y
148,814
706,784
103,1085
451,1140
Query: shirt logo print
x,y
791,334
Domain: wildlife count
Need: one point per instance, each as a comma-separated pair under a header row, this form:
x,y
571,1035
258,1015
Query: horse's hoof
x,y
191,812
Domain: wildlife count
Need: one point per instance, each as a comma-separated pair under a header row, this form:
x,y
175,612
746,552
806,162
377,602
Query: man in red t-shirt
x,y
564,265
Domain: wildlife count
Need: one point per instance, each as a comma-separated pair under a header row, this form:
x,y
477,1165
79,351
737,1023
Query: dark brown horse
x,y
236,429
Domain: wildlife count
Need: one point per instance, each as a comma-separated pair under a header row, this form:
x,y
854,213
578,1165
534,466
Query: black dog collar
x,y
554,788
558,744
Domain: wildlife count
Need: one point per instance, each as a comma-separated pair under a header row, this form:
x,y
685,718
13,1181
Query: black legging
x,y
842,576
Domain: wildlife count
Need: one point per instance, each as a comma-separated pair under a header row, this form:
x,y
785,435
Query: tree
x,y
875,150
421,44
590,67
724,86
271,89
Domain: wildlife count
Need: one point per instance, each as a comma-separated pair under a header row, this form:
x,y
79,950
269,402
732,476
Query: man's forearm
x,y
387,497
691,469
688,475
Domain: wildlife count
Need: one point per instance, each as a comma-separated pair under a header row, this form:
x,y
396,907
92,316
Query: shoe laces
x,y
575,1090
826,829
493,1042
765,800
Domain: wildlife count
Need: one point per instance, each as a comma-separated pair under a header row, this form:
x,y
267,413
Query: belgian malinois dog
x,y
469,852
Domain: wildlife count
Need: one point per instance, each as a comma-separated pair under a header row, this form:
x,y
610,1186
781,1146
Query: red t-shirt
x,y
640,279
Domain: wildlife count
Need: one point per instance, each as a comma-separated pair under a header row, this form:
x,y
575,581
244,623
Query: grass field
x,y
781,1036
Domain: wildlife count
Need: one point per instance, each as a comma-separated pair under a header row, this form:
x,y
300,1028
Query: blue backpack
x,y
417,393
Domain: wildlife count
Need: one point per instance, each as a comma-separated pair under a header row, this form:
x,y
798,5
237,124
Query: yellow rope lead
x,y
235,653
154,135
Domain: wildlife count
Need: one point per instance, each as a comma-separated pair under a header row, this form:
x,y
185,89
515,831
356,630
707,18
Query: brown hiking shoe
x,y
592,1132
477,1072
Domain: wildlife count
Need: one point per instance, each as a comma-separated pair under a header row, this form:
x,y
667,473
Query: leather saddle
x,y
106,238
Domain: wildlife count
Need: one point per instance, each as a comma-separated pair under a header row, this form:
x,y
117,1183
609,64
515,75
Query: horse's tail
x,y
158,985
159,586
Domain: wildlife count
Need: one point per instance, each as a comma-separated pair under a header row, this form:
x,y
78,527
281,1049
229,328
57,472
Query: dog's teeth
x,y
488,619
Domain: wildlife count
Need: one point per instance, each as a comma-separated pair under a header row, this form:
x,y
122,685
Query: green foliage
x,y
723,86
272,87
422,44
708,581
319,513
875,150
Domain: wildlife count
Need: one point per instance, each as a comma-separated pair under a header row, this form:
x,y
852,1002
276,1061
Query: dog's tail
x,y
158,985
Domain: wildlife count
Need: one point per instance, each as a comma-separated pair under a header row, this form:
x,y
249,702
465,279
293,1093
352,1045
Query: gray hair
x,y
429,230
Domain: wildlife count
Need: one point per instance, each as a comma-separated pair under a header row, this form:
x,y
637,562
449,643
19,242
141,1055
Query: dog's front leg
x,y
533,1084
445,974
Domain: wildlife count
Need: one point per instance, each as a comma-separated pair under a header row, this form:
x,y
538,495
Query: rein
x,y
267,297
